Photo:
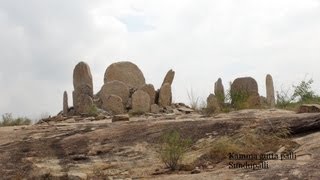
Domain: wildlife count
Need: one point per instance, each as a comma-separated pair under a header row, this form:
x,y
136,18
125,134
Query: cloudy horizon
x,y
42,41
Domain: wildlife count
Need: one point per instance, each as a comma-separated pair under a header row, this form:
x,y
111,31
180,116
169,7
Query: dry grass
x,y
246,141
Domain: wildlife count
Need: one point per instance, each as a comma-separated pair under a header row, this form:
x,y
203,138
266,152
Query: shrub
x,y
93,111
8,120
173,148
303,92
193,100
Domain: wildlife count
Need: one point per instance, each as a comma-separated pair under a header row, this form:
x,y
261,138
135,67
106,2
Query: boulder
x,y
140,102
120,117
155,109
165,95
169,77
270,91
244,92
65,103
213,104
309,108
82,78
219,91
83,88
81,102
149,89
126,72
113,104
115,88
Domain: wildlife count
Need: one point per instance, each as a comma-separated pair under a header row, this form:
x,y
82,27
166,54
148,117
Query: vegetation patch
x,y
9,120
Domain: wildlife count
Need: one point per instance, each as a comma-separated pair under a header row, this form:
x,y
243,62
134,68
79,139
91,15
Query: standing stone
x,y
83,88
65,103
245,90
212,104
165,95
116,88
219,91
126,72
149,89
82,77
169,77
140,102
82,102
113,103
155,108
270,91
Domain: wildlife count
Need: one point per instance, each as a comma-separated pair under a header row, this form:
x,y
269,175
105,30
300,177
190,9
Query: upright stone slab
x,y
165,95
245,89
149,89
219,91
65,103
140,102
169,77
113,104
212,104
83,88
127,72
270,91
116,88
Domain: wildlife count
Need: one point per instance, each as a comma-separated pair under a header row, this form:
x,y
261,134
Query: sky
x,y
201,40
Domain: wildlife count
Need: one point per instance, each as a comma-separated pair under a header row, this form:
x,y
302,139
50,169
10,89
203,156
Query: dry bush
x,y
247,141
172,149
8,120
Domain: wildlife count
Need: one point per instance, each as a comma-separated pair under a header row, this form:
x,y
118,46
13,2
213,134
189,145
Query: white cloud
x,y
41,41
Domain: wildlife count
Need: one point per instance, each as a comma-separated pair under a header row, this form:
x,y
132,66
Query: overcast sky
x,y
42,40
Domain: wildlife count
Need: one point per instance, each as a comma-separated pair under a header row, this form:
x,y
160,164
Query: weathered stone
x,y
140,102
169,77
120,117
185,110
83,88
82,102
155,109
65,103
309,108
126,72
116,88
270,91
165,95
113,103
149,89
244,91
219,91
82,78
212,104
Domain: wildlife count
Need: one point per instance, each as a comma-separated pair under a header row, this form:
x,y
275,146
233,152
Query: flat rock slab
x,y
121,117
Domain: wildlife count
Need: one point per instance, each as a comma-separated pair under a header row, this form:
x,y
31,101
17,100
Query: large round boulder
x,y
244,92
126,72
115,88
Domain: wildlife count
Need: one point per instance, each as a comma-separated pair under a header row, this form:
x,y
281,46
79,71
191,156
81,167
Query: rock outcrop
x,y
245,91
113,104
83,88
149,89
212,104
165,95
140,102
125,71
115,88
169,77
65,103
270,91
219,91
